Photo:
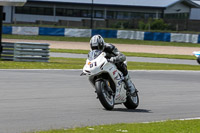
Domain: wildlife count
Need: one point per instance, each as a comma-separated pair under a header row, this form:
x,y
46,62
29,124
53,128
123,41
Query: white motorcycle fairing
x,y
197,54
98,66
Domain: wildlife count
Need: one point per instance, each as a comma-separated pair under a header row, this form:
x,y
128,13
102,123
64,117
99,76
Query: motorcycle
x,y
108,82
197,54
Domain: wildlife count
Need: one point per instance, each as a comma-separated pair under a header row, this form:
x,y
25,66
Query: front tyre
x,y
198,59
106,99
132,102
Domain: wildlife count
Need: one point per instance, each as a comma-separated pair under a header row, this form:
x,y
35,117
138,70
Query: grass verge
x,y
177,126
69,63
188,57
54,63
110,40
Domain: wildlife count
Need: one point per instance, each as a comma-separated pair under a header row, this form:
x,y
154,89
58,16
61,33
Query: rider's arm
x,y
113,53
119,57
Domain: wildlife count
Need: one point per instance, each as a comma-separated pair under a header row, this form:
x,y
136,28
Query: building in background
x,y
195,12
78,10
78,13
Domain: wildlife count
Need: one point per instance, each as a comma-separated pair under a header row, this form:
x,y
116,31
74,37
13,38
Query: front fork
x,y
107,86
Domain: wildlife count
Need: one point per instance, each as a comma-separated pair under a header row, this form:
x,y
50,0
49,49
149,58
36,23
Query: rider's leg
x,y
123,68
129,84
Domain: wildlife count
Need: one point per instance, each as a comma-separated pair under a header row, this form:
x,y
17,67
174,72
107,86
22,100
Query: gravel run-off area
x,y
121,47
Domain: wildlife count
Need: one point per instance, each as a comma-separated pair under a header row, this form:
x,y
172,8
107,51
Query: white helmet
x,y
97,42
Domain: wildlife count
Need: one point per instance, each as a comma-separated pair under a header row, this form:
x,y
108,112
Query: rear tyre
x,y
106,99
132,102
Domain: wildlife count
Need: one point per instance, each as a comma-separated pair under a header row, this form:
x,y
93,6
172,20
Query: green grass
x,y
109,40
189,57
54,63
75,51
69,63
187,126
160,66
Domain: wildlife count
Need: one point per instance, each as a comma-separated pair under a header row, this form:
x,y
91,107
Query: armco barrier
x,y
31,52
7,51
26,52
136,35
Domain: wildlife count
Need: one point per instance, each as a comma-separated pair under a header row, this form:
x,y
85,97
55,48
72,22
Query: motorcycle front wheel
x,y
198,59
106,99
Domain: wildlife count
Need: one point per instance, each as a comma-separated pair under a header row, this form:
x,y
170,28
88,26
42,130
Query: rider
x,y
114,56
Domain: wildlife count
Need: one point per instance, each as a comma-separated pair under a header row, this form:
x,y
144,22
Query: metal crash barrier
x,y
7,51
25,52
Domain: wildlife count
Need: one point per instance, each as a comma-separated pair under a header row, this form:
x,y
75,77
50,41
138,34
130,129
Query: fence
x,y
124,34
26,52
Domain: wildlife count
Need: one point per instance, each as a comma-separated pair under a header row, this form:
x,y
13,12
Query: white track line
x,y
195,118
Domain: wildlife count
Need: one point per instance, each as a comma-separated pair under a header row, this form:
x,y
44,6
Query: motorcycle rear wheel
x,y
106,99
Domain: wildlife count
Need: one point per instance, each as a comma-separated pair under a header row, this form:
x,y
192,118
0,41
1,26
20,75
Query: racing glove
x,y
112,59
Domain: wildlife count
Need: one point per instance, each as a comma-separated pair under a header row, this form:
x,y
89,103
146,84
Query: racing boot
x,y
130,86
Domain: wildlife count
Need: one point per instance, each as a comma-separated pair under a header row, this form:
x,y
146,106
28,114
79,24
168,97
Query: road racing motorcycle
x,y
108,82
197,54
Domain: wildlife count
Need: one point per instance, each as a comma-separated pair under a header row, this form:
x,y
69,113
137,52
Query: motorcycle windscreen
x,y
93,54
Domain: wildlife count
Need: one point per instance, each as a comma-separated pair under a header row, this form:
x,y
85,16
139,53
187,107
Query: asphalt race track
x,y
45,99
